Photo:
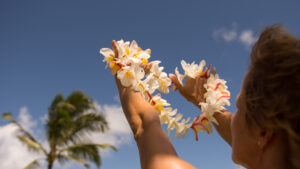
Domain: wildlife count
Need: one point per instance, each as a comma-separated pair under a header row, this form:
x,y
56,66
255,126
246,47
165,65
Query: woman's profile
x,y
264,133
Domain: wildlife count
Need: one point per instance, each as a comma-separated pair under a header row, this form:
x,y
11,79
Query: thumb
x,y
147,67
115,48
176,82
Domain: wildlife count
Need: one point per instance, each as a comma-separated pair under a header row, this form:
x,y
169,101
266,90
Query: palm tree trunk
x,y
51,155
50,164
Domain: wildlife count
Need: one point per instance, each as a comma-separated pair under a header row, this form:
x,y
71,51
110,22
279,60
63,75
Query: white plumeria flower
x,y
182,128
159,78
173,121
140,57
158,103
164,82
201,66
215,83
121,47
189,69
130,75
108,54
141,86
209,109
179,76
152,83
166,115
135,55
193,70
144,56
213,97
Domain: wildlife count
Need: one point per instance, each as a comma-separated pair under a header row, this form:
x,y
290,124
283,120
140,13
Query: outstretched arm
x,y
193,91
155,149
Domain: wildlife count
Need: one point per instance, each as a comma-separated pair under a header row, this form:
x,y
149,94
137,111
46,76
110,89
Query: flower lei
x,y
129,68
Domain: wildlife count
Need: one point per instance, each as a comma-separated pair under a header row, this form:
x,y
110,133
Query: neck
x,y
274,155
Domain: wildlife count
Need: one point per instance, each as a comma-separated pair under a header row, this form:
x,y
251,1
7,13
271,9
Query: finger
x,y
176,82
214,70
115,48
206,71
147,67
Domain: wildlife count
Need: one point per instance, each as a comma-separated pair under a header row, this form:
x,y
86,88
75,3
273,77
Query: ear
x,y
265,137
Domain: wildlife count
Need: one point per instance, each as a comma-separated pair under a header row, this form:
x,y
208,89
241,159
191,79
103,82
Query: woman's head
x,y
268,105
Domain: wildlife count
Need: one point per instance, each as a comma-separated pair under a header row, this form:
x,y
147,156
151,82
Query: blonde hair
x,y
272,88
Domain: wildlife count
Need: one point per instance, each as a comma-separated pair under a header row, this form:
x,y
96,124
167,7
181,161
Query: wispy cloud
x,y
247,38
227,34
232,34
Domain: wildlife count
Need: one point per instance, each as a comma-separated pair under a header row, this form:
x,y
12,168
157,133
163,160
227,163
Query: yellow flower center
x,y
110,58
144,61
114,67
127,51
129,74
163,83
141,86
136,55
159,107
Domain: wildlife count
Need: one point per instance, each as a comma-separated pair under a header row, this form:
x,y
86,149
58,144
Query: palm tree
x,y
69,119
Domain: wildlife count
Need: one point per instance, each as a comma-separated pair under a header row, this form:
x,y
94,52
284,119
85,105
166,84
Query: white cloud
x,y
13,153
119,131
247,38
25,120
225,34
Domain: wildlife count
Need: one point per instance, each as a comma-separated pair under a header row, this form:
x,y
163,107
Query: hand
x,y
193,90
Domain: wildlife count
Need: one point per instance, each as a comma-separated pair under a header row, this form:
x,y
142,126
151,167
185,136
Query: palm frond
x,y
33,165
64,157
9,117
58,127
85,124
103,146
84,151
81,101
32,145
65,121
25,137
58,98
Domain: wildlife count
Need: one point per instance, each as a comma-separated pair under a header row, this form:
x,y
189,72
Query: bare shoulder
x,y
169,162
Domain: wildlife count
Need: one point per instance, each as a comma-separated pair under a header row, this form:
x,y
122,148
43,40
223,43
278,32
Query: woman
x,y
263,133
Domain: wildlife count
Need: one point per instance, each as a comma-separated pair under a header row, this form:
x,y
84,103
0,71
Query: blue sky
x,y
50,47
